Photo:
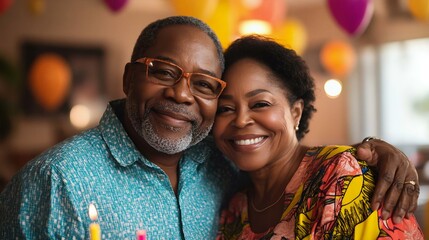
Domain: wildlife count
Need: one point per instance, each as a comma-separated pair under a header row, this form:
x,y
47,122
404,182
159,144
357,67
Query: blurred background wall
x,y
383,66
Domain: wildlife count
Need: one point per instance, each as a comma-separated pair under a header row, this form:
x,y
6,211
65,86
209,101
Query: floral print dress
x,y
327,198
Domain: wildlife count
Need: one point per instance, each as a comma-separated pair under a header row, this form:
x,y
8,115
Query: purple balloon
x,y
115,5
352,15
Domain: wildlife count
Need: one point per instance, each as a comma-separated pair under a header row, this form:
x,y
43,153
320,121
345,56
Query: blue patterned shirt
x,y
49,197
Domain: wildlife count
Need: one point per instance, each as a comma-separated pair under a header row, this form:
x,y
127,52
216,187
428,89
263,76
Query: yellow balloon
x,y
223,22
242,8
49,80
291,34
196,8
419,9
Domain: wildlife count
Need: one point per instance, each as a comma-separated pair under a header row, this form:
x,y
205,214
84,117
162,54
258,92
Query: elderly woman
x,y
296,191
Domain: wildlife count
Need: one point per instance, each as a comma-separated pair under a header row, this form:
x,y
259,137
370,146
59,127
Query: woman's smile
x,y
250,141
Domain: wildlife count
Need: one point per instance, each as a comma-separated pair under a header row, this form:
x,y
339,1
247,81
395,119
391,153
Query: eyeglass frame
x,y
186,75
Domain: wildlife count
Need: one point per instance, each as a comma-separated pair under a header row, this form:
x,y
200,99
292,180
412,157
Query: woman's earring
x,y
297,127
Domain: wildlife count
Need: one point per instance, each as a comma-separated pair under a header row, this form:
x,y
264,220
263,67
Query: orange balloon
x,y
196,8
338,57
49,80
272,11
37,7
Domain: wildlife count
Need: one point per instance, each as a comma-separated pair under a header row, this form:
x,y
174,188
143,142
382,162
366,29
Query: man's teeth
x,y
249,141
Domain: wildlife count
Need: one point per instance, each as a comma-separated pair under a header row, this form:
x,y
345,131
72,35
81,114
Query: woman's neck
x,y
266,197
270,181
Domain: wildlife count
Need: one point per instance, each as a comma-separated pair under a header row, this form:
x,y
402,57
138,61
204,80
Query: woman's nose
x,y
242,119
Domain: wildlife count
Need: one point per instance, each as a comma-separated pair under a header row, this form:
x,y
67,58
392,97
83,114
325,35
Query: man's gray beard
x,y
145,129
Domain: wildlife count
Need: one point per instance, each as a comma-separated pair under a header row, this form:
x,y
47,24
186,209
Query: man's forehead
x,y
182,39
179,30
186,46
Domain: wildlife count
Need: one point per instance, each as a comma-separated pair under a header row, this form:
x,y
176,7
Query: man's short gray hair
x,y
148,35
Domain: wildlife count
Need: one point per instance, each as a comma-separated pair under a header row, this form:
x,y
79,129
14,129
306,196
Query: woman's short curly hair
x,y
289,68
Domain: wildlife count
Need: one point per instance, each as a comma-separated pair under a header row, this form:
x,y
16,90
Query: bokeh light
x,y
80,116
333,88
248,27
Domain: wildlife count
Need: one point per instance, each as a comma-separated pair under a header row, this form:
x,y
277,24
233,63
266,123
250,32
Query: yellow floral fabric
x,y
327,198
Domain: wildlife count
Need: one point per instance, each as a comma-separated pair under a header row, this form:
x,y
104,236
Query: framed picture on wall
x,y
58,76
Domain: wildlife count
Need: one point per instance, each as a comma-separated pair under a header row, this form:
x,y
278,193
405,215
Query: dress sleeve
x,y
37,205
346,205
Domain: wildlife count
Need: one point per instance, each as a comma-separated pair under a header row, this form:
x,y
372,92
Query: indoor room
x,y
61,62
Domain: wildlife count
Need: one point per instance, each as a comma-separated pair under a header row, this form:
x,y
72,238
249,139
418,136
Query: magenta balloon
x,y
352,15
115,5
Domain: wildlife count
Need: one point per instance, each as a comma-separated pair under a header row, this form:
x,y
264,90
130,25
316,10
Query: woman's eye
x,y
261,105
223,109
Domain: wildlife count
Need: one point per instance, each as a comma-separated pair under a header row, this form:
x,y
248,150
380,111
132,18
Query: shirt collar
x,y
120,145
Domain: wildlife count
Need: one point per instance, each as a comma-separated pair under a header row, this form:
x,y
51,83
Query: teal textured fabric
x,y
49,197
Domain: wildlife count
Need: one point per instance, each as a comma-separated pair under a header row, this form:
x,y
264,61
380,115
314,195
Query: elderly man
x,y
149,163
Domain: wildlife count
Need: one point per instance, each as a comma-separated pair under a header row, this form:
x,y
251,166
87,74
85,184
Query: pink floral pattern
x,y
327,198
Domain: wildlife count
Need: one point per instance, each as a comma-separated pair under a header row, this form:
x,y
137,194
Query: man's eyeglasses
x,y
168,74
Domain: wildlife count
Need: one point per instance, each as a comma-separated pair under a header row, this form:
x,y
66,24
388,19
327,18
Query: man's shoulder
x,y
69,151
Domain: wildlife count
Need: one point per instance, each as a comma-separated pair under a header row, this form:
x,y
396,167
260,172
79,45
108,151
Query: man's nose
x,y
180,92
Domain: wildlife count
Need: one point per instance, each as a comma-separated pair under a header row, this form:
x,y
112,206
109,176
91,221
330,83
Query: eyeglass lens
x,y
168,74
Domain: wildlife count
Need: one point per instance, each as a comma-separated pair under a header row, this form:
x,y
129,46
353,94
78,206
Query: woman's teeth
x,y
249,141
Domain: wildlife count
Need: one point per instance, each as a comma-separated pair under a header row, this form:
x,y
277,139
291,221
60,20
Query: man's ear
x,y
127,78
